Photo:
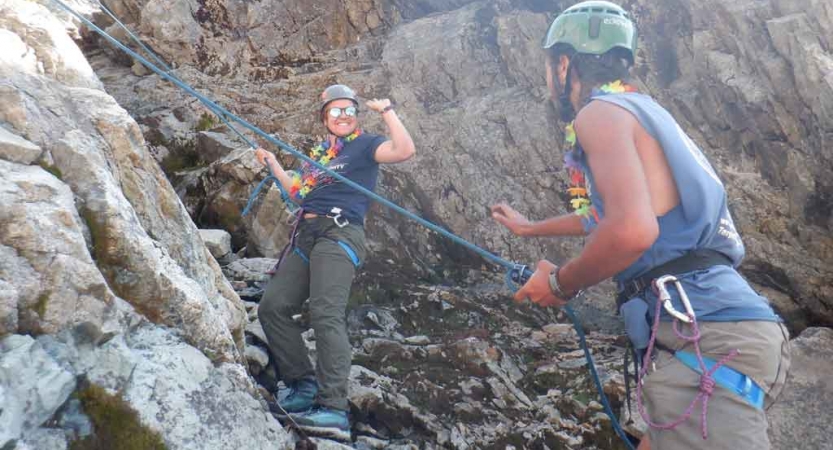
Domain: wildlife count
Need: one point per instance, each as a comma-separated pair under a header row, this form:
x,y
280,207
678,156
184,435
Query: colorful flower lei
x,y
306,181
580,201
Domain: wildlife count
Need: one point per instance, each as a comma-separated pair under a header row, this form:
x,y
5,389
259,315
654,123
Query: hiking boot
x,y
299,397
323,421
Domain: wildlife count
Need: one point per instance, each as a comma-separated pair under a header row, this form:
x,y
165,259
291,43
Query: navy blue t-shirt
x,y
355,162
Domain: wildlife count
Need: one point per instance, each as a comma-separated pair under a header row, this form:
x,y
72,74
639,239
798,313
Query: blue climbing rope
x,y
617,427
516,274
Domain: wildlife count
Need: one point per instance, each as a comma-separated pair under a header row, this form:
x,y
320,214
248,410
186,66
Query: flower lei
x,y
303,183
578,189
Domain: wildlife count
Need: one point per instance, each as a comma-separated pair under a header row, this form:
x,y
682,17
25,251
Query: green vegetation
x,y
54,170
40,305
206,122
174,163
116,424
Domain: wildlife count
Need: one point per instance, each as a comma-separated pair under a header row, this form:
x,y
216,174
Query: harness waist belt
x,y
727,378
694,260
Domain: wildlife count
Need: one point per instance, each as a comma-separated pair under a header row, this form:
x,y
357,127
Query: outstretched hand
x,y
511,219
537,289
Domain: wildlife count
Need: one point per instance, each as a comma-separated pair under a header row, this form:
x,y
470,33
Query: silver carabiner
x,y
335,214
665,297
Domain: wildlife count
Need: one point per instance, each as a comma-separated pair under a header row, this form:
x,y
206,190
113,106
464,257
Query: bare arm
x,y
268,159
563,225
629,226
400,147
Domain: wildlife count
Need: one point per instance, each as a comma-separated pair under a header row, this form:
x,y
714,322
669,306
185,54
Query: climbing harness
x,y
707,368
699,259
338,221
516,273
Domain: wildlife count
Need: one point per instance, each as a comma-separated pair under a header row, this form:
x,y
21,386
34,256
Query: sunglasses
x,y
349,111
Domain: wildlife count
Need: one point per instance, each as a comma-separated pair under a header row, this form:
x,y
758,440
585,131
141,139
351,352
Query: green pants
x,y
321,267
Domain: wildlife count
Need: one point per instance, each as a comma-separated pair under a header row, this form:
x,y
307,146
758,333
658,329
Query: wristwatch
x,y
386,109
555,287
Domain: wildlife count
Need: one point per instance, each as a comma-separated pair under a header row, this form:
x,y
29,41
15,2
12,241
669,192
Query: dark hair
x,y
594,70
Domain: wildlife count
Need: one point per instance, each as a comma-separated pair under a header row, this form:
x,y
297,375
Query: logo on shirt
x,y
727,230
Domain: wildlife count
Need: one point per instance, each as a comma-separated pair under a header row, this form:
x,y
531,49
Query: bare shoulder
x,y
601,123
600,115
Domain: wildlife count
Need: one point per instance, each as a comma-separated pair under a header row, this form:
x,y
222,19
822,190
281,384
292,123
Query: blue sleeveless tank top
x,y
700,221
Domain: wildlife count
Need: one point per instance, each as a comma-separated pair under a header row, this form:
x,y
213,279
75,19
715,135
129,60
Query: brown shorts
x,y
733,424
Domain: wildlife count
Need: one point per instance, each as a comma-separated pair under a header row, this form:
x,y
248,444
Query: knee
x,y
327,319
268,310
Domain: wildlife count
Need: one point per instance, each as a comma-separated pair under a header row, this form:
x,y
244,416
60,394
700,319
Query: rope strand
x,y
707,383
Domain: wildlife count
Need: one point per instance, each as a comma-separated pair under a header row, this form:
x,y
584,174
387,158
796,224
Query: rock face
x,y
116,207
463,369
51,281
800,413
217,241
103,274
175,388
467,78
28,372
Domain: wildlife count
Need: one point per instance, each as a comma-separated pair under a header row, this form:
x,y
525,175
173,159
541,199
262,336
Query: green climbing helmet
x,y
593,27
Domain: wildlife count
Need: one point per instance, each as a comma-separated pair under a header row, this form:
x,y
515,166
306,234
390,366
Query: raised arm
x,y
400,147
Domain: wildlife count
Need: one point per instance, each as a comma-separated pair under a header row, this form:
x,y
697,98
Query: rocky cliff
x,y
750,81
105,279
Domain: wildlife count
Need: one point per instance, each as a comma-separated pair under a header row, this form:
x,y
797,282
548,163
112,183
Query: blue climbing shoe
x,y
299,397
324,422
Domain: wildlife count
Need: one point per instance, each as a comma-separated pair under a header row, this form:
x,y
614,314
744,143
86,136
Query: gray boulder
x,y
800,417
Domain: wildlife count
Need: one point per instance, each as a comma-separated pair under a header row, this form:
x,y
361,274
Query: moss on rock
x,y
116,424
40,305
54,170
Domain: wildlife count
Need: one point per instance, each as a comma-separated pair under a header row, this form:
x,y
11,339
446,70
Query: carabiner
x,y
335,214
665,298
520,274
